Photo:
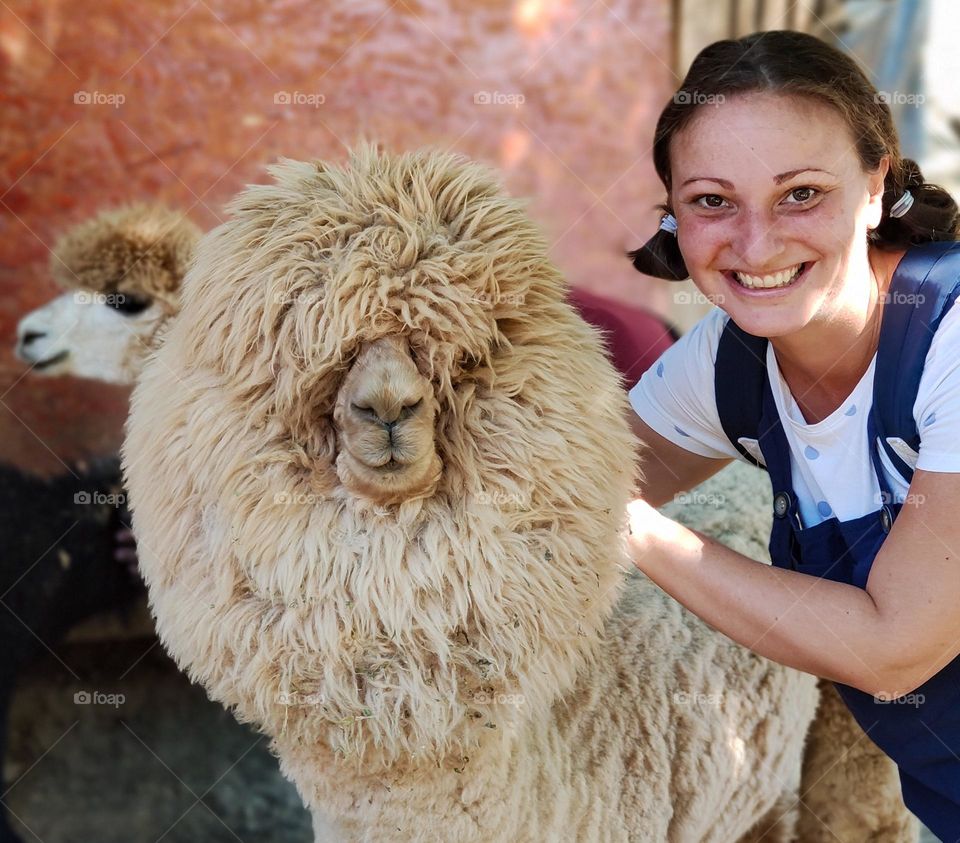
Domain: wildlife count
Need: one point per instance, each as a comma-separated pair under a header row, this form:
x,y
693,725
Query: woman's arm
x,y
885,640
668,469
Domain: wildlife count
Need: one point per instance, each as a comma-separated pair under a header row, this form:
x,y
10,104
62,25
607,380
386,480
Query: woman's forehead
x,y
760,136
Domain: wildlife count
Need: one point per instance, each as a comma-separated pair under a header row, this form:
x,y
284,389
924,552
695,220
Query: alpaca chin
x,y
412,482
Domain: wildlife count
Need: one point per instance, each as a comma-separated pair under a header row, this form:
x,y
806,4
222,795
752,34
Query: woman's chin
x,y
765,324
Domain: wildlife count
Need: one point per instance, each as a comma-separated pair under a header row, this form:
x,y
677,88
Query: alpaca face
x,y
122,271
384,417
89,335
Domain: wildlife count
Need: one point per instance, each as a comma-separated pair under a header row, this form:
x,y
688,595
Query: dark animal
x,y
62,561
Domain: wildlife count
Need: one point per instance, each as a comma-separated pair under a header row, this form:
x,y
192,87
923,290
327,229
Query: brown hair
x,y
795,63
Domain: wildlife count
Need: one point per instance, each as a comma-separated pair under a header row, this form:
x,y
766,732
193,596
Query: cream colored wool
x,y
471,664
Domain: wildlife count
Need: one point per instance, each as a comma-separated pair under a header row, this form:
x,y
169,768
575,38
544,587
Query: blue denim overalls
x,y
920,731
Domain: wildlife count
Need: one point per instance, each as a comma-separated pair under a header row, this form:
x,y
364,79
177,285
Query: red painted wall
x,y
187,101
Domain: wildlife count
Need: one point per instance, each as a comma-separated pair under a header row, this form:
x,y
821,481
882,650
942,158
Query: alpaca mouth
x,y
51,361
387,461
392,465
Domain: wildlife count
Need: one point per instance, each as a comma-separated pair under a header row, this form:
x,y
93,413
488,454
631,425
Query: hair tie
x,y
902,205
669,223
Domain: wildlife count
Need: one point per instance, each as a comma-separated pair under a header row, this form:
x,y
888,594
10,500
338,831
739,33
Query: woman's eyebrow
x,y
777,179
791,173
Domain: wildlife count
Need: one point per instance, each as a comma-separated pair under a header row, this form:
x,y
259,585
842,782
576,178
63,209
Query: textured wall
x,y
187,102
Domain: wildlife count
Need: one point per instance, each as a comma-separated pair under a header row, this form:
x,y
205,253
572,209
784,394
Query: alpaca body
x,y
661,739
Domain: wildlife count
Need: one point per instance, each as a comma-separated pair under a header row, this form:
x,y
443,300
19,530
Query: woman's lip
x,y
768,292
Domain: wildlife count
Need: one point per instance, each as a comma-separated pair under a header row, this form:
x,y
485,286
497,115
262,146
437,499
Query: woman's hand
x,y
648,532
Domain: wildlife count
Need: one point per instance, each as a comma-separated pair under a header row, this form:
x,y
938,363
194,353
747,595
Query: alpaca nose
x,y
387,412
30,336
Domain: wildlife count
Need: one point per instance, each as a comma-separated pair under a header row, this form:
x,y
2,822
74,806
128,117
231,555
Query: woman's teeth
x,y
778,279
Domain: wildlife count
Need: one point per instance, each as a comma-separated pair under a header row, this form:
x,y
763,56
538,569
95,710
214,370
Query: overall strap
x,y
922,290
739,377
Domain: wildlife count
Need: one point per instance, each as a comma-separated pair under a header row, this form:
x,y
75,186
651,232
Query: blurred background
x,y
184,103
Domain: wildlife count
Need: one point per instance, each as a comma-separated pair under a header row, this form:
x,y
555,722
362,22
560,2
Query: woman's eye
x,y
710,203
802,194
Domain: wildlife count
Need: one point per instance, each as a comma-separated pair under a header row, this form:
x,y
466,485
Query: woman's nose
x,y
757,242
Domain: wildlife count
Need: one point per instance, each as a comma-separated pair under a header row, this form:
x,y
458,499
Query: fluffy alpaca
x,y
435,655
122,271
834,767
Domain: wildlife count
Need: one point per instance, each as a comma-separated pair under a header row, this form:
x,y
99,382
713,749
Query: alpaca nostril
x,y
30,336
388,414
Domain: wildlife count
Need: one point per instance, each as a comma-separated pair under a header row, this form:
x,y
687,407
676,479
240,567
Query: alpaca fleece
x,y
140,249
468,665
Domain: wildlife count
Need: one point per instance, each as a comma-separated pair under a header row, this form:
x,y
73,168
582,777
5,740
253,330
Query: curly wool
x,y
451,666
138,249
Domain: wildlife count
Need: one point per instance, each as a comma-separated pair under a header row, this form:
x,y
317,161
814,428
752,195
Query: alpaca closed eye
x,y
410,409
128,304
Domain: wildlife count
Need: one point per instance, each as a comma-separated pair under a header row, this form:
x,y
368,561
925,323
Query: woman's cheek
x,y
700,242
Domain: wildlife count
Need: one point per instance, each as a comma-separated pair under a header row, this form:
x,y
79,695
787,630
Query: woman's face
x,y
768,190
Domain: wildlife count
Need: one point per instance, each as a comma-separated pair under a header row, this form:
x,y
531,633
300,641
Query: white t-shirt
x,y
832,471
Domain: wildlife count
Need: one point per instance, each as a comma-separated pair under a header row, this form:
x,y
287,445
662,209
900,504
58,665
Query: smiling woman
x,y
832,362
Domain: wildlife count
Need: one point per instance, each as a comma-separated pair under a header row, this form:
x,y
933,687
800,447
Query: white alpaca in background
x,y
121,272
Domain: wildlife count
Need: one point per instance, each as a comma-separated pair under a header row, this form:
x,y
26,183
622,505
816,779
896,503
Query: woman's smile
x,y
769,285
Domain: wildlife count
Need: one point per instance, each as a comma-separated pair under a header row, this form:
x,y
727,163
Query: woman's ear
x,y
875,187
